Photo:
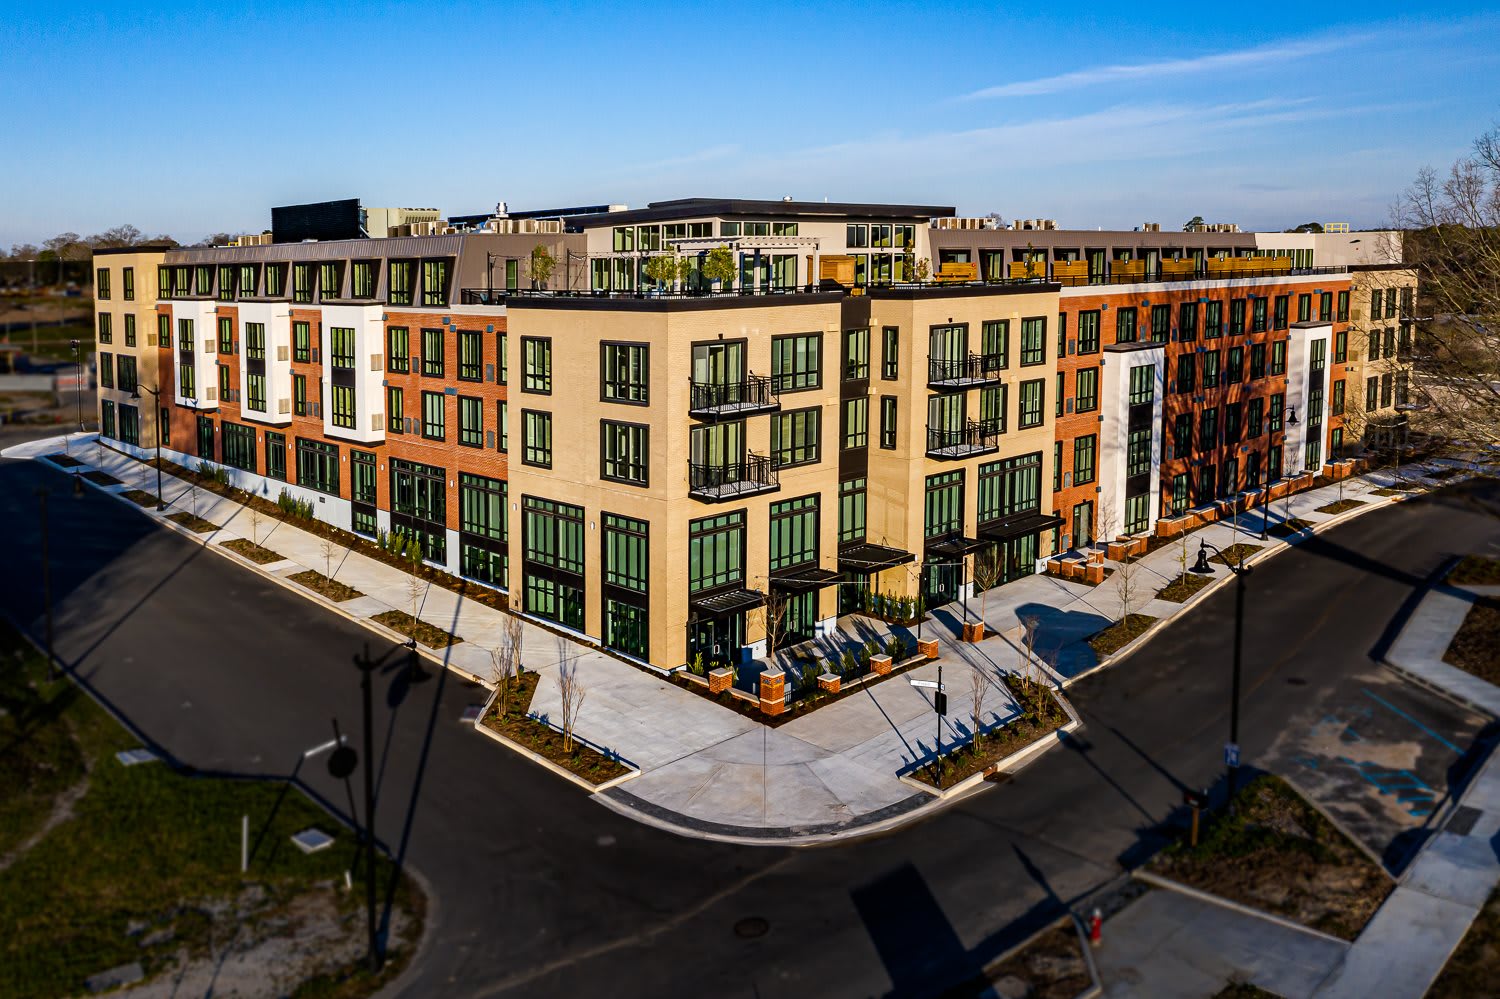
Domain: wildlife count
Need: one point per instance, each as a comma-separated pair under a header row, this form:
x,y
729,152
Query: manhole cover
x,y
751,927
1296,681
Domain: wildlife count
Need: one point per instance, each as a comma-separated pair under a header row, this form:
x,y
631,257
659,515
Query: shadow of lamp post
x,y
1241,571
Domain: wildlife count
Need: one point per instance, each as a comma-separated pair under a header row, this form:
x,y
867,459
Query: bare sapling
x,y
255,527
571,689
502,671
979,685
327,549
515,636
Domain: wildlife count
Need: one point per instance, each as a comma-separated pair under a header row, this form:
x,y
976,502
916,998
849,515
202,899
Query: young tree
x,y
979,686
255,527
988,570
502,671
773,616
1125,586
515,637
327,548
1030,624
718,265
415,587
571,688
1106,519
542,264
662,270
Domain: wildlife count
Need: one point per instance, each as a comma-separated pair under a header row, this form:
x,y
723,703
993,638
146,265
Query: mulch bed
x,y
1043,717
1289,528
140,497
429,635
65,460
99,478
1120,634
544,740
193,523
1395,491
1475,647
334,590
1051,966
1476,570
1340,506
1183,587
1279,854
1235,554
252,551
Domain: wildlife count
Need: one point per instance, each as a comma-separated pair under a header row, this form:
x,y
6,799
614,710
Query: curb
x,y
1096,989
1435,688
564,772
1157,881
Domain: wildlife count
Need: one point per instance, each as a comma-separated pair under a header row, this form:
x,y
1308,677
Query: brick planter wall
x,y
829,682
974,631
928,647
773,692
720,680
880,665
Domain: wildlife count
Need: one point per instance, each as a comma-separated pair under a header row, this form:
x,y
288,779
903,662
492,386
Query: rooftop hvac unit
x,y
1150,227
447,230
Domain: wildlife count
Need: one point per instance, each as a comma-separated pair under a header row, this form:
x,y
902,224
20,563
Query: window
x,y
1232,424
1088,332
1142,384
331,279
1211,369
434,282
1056,466
1236,316
553,551
992,409
127,379
101,284
276,455
1343,307
1086,390
1338,398
1085,450
1213,320
625,452
226,335
1208,428
794,533
163,331
1179,493
1372,392
1161,323
1187,321
400,291
502,346
537,429
343,406
1125,325
362,280
716,552
470,421
433,348
203,280
502,418
1012,485
483,529
1182,435
433,416
318,465
1274,412
106,420
890,355
225,392
624,372
1138,452
127,282
856,423
994,344
1187,373
944,508
852,510
1318,352
1137,513
397,349
625,551
797,361
1387,392
341,346
856,355
470,357
1279,316
1253,417
299,395
1033,341
1325,310
1234,369
302,282
1258,315
1257,360
536,357
107,370
255,386
1304,308
106,329
275,280
255,341
129,329
1390,343
1031,403
1278,357
239,446
395,409
301,342
794,437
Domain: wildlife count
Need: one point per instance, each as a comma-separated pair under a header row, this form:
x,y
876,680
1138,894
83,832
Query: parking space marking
x,y
1410,790
1403,714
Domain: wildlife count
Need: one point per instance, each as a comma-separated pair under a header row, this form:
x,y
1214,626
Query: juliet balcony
x,y
954,443
714,400
720,482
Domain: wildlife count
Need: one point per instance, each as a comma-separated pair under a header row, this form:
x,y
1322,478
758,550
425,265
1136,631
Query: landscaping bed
x,y
1476,570
1183,587
1395,490
1051,966
193,522
429,635
1289,528
103,865
1042,716
1235,554
516,725
1108,641
99,478
251,550
1475,647
1279,854
140,497
1474,967
1341,506
338,592
65,460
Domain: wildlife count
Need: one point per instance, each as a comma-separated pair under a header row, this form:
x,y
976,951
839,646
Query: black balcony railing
x,y
753,393
968,370
970,439
755,473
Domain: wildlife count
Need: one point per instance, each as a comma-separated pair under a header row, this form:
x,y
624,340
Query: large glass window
x,y
625,552
795,437
1142,384
1031,412
856,354
470,421
797,361
537,430
433,416
1182,435
994,344
341,346
1088,332
1085,454
716,551
397,349
400,291
1033,341
992,409
482,528
318,465
239,446
625,452
1210,369
301,341
1187,322
1138,452
434,282
432,353
363,279
1278,357
624,372
1125,324
852,510
470,356
794,533
276,455
1086,390
944,508
856,429
536,358
1213,320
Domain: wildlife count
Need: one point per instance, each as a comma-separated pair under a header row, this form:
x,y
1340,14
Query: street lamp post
x,y
156,420
1265,505
78,380
1241,571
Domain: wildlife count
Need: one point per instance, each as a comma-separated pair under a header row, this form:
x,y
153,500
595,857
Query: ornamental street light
x,y
156,419
1202,568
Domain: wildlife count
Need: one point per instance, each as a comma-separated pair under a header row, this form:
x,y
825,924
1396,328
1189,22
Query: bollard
x,y
1096,928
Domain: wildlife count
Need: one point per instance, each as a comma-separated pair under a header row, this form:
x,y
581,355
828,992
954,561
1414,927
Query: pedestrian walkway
x,y
709,770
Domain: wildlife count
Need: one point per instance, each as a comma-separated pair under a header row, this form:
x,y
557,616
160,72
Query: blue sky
x,y
192,118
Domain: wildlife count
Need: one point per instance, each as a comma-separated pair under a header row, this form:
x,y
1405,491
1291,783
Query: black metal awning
x,y
804,580
1019,525
866,558
728,602
954,546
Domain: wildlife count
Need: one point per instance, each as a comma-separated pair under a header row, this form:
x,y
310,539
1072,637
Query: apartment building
x,y
813,429
1382,334
125,318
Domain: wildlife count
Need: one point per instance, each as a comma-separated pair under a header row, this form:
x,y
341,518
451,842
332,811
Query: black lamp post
x,y
78,380
1202,568
1265,505
156,420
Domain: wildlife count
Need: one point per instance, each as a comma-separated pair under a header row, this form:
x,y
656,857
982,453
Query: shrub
x,y
896,649
696,666
850,664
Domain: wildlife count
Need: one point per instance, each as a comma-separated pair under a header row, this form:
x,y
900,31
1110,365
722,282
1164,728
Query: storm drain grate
x,y
751,927
1461,822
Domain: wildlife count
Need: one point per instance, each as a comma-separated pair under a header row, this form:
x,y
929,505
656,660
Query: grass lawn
x,y
1475,647
1340,506
429,635
1235,554
193,522
543,739
1120,634
1183,587
1043,716
334,590
1476,570
1474,967
1280,855
103,864
250,550
1052,965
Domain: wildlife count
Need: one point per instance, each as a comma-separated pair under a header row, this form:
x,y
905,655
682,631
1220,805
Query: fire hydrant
x,y
1096,928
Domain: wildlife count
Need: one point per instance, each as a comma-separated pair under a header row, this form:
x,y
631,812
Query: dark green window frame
x,y
536,365
796,437
318,466
625,452
470,421
398,349
433,348
536,429
434,416
470,356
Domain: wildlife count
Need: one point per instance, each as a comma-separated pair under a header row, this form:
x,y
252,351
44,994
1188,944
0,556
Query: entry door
x,y
719,363
1083,524
947,343
801,619
718,638
719,446
1020,557
942,582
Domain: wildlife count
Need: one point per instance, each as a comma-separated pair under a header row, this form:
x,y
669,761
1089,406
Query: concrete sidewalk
x,y
707,770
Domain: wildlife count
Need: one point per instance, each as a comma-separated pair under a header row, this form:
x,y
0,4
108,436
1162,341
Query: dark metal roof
x,y
804,580
1017,525
685,208
865,557
729,602
954,546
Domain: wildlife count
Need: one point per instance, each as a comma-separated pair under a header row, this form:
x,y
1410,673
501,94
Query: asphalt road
x,y
540,891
